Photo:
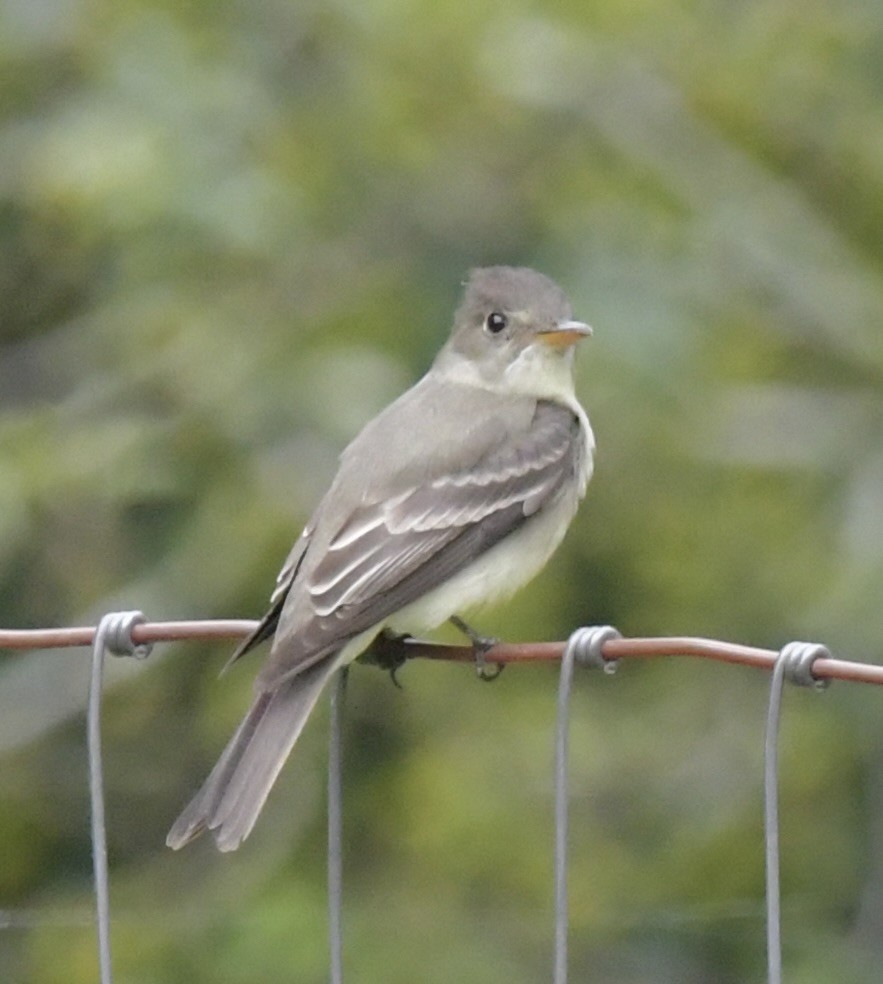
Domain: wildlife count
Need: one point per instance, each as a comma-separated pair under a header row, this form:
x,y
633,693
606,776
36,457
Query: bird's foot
x,y
481,644
387,652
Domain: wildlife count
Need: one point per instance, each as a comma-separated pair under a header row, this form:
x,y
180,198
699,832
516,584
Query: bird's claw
x,y
393,670
487,672
481,645
387,652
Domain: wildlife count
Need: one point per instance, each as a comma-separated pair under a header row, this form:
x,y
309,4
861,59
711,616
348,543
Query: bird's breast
x,y
497,574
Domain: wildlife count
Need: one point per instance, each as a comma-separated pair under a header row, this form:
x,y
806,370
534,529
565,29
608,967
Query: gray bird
x,y
456,494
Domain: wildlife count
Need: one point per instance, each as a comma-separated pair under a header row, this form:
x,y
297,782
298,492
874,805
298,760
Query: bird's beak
x,y
565,334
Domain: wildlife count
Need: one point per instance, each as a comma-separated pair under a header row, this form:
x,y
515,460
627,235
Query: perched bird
x,y
454,495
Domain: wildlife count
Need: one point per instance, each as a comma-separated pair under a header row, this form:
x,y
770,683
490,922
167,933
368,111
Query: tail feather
x,y
237,788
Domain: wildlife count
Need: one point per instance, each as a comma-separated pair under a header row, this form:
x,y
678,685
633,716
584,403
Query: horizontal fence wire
x,y
503,652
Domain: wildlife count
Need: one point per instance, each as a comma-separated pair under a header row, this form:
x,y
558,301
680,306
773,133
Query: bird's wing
x,y
387,554
266,628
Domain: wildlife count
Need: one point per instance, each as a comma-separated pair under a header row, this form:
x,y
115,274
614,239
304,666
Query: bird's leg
x,y
387,652
480,645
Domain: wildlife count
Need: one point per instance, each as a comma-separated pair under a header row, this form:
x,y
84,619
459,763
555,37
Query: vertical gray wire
x,y
561,805
96,794
771,825
335,827
586,647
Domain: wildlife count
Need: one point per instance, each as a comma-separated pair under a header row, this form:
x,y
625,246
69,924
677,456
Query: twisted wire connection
x,y
798,659
118,639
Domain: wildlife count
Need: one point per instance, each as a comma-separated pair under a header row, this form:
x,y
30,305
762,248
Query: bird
x,y
455,495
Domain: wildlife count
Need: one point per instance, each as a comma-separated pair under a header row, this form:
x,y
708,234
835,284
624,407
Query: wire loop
x,y
584,646
118,639
798,659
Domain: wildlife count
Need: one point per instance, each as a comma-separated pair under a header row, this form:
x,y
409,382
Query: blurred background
x,y
230,232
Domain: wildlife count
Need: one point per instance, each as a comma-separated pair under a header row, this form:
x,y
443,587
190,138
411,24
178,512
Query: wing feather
x,y
383,545
387,554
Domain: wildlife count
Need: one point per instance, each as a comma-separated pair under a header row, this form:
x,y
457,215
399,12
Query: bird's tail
x,y
234,793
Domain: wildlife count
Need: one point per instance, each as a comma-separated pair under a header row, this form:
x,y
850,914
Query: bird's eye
x,y
496,322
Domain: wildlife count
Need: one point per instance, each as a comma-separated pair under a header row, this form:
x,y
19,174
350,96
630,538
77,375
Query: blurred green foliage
x,y
229,233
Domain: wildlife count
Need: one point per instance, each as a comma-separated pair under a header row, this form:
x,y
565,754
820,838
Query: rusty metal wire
x,y
632,648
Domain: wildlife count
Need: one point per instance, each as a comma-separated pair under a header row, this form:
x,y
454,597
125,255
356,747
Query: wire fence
x,y
130,634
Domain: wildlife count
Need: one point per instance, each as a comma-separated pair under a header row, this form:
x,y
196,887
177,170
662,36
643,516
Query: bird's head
x,y
514,327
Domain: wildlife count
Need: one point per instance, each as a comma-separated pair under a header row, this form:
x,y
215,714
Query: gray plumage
x,y
456,493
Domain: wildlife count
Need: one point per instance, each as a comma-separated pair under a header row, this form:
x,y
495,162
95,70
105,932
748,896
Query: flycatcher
x,y
455,495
